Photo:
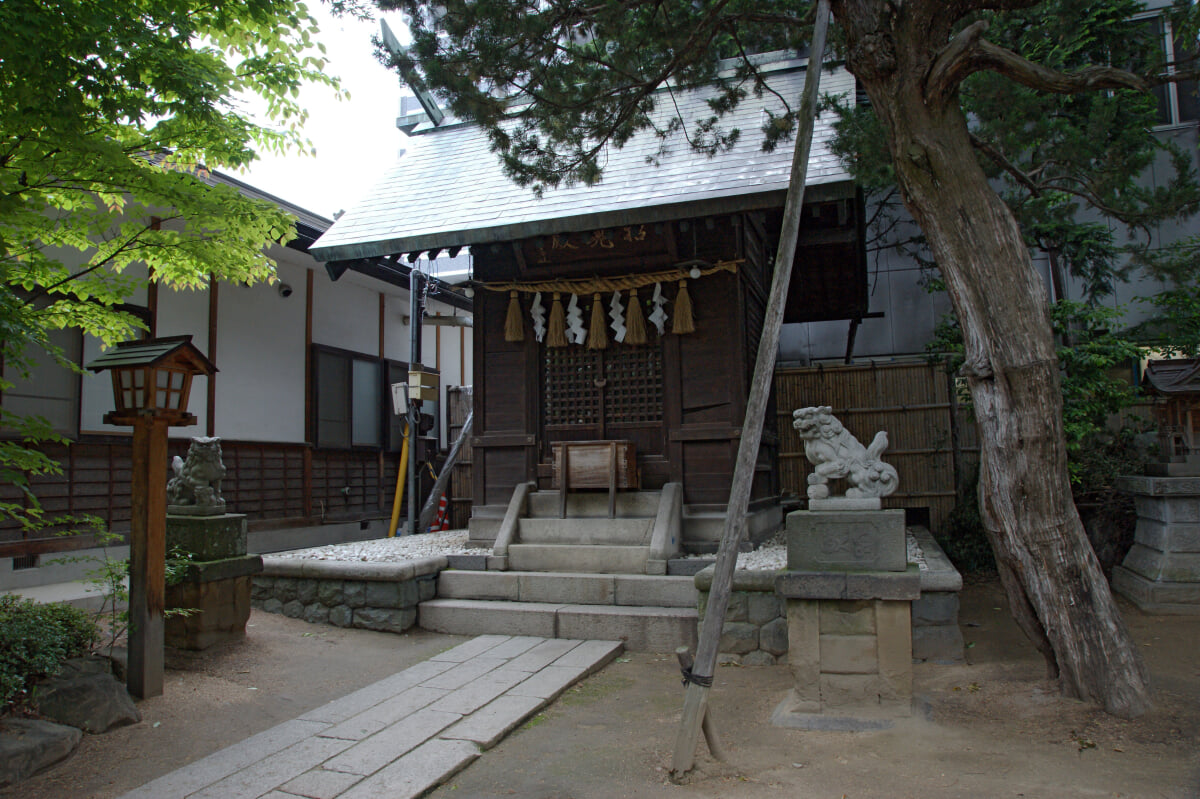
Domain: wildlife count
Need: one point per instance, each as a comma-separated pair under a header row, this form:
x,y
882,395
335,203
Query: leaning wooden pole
x,y
699,678
439,485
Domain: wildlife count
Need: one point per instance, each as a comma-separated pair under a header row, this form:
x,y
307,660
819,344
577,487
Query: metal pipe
x,y
415,312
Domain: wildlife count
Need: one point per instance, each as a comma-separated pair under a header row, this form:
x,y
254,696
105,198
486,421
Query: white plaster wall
x,y
346,313
261,357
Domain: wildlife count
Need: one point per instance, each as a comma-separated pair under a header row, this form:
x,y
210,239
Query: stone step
x,y
594,504
642,629
569,588
626,532
596,559
484,523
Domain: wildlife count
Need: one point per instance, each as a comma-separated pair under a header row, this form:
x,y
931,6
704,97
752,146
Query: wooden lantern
x,y
152,378
151,381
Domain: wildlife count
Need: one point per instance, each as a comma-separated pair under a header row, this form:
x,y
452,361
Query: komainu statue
x,y
835,453
196,487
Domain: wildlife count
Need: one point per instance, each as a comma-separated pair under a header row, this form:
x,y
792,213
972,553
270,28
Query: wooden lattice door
x,y
615,393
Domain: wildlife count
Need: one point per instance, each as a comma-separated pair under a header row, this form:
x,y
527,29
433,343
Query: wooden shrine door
x,y
614,393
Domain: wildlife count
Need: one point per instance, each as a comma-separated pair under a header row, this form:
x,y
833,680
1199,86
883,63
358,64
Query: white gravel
x,y
390,550
771,556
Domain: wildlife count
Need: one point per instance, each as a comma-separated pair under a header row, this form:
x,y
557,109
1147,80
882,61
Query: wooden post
x,y
695,705
147,557
439,485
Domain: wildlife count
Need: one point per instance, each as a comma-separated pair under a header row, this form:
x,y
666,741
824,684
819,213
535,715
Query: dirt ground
x,y
994,727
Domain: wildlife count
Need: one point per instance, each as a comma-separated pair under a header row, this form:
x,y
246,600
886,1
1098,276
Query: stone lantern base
x,y
1161,573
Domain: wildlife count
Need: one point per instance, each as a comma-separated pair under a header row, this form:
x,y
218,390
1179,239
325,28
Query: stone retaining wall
x,y
369,596
756,632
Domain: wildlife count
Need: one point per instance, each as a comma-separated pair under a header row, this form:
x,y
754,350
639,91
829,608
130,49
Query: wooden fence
x,y
931,442
458,407
267,482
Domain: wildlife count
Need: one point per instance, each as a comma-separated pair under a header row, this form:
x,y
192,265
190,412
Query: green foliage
x,y
35,639
963,538
1096,371
112,113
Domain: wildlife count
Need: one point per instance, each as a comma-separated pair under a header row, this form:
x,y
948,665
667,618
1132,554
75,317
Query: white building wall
x,y
261,357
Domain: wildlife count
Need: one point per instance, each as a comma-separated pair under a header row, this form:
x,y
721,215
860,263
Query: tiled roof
x,y
449,190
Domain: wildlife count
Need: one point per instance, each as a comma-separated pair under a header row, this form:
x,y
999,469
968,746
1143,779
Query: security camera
x,y
284,290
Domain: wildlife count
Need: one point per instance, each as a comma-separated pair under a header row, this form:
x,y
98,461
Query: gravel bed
x,y
771,556
391,550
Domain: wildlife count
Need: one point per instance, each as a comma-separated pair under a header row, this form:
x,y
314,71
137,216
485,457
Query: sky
x,y
355,140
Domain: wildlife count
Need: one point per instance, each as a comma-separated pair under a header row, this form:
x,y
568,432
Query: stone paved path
x,y
400,737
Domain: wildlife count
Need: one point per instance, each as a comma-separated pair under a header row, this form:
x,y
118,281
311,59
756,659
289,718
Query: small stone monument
x,y
1161,573
216,584
848,586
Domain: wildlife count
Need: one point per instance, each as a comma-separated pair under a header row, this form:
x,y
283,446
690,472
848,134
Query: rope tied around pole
x,y
695,679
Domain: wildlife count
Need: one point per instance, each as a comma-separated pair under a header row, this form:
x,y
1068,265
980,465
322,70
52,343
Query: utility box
x,y
423,386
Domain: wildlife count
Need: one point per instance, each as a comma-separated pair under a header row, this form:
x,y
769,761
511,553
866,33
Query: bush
x,y
35,639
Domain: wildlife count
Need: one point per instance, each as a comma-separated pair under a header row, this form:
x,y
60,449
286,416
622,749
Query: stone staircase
x,y
584,575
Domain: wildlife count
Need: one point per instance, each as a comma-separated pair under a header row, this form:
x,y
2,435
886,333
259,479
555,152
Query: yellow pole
x,y
399,496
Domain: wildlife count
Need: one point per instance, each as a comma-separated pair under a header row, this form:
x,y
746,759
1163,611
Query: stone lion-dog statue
x,y
196,487
834,452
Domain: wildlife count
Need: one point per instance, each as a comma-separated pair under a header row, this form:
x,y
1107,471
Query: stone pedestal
x,y
216,585
849,591
1161,573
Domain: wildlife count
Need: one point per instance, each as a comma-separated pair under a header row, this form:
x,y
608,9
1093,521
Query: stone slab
x,y
565,588
417,772
549,682
319,783
904,585
467,562
219,765
661,591
1157,597
469,649
687,567
591,655
845,503
478,585
487,726
515,646
847,540
641,629
542,655
283,766
370,755
351,705
226,569
593,559
476,617
465,672
477,693
386,713
1158,486
848,654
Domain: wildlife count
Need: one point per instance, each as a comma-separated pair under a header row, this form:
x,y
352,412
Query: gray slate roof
x,y
449,190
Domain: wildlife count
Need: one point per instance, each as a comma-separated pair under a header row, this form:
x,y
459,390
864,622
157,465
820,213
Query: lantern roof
x,y
175,351
1173,377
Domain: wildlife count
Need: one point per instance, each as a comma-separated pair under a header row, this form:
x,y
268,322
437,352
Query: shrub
x,y
35,639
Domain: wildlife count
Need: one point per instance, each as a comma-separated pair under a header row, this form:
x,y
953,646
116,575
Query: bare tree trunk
x,y
1055,586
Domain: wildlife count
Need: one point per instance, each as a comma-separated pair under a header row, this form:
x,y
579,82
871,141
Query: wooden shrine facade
x,y
680,397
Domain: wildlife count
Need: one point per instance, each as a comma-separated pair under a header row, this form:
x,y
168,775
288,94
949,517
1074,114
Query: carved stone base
x,y
846,540
208,537
1161,573
218,595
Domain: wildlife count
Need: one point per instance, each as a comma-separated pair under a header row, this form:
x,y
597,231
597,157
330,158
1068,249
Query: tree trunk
x,y
1056,589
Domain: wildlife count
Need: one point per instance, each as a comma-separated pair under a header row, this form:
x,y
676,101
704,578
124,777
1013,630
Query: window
x,y
1177,102
352,403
